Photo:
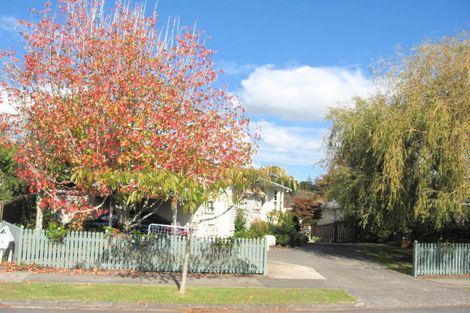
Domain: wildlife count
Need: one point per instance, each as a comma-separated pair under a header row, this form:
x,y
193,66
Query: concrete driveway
x,y
344,267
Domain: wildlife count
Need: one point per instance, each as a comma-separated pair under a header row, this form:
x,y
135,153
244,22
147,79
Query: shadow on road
x,y
391,257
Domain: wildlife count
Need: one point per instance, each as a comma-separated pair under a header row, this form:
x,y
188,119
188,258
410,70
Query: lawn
x,y
168,294
392,257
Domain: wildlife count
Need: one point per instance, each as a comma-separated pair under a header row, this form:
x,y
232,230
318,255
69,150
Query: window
x,y
209,207
276,199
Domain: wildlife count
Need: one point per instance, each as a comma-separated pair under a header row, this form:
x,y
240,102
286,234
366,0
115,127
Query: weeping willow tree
x,y
401,157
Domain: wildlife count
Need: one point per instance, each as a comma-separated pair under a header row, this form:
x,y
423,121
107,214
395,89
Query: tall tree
x,y
401,157
108,104
10,185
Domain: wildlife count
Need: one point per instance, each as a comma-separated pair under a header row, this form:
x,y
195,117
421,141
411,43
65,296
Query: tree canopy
x,y
402,156
111,104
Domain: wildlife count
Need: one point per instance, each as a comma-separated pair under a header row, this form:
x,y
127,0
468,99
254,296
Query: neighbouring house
x,y
331,213
224,210
331,227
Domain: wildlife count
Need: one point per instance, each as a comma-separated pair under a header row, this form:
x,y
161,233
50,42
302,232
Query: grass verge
x,y
392,257
168,294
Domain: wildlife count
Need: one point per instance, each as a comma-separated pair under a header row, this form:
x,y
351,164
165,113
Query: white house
x,y
224,211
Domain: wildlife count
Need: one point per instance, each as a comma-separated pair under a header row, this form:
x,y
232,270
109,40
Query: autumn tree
x,y
306,209
323,184
401,157
111,105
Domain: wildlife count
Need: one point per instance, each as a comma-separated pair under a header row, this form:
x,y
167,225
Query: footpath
x,y
373,286
300,277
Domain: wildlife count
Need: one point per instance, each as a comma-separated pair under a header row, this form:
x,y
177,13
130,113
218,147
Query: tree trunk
x,y
187,256
110,222
174,209
184,274
39,214
125,219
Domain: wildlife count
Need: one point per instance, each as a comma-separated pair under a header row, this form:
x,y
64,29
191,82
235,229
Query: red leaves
x,y
306,208
110,96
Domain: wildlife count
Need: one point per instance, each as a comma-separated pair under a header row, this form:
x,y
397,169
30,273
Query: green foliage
x,y
240,221
259,228
56,232
282,239
306,185
153,184
245,233
400,158
10,185
279,175
287,230
111,231
297,239
223,245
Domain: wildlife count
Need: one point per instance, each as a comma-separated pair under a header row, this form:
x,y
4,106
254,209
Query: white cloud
x,y
8,23
285,145
301,93
6,105
234,68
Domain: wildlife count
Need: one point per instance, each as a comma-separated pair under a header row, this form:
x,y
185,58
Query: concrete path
x,y
169,279
317,266
283,270
279,272
344,267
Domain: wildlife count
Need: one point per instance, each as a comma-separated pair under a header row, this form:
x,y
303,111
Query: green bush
x,y
297,239
245,233
240,221
260,228
282,239
56,232
287,232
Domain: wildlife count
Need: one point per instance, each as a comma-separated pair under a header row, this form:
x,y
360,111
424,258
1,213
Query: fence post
x,y
335,232
19,245
415,258
265,272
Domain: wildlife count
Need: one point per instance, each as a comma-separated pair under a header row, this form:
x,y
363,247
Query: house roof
x,y
280,186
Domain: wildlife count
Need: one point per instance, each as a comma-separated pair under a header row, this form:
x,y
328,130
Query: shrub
x,y
282,239
259,228
245,233
240,221
56,232
297,239
287,227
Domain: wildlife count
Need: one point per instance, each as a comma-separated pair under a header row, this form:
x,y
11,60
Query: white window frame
x,y
209,207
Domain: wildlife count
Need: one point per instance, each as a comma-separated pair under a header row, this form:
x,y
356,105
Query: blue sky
x,y
288,61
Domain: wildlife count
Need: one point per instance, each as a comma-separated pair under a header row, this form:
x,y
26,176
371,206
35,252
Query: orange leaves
x,y
111,96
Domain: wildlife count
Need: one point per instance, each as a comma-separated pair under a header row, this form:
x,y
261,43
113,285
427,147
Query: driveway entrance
x,y
343,266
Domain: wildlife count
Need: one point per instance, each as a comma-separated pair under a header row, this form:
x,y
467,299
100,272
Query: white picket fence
x,y
81,249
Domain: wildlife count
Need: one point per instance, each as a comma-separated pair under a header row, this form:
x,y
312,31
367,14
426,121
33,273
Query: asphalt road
x,y
453,309
344,267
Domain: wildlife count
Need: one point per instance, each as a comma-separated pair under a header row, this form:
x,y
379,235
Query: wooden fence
x,y
441,258
149,253
334,232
